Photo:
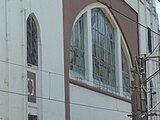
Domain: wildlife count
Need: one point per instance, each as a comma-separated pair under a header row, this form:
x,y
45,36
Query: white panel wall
x,y
13,48
15,52
13,77
133,4
148,18
3,96
50,19
142,30
88,105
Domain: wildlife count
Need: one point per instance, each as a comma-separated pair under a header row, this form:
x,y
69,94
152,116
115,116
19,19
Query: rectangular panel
x,y
31,78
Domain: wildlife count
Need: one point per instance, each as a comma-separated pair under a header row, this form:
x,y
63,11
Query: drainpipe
x,y
6,81
24,61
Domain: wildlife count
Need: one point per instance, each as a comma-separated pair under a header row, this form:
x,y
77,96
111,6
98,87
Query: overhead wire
x,y
56,100
52,99
95,107
153,50
20,65
110,7
62,101
98,83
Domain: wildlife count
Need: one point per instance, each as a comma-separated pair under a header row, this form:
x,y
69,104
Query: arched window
x,y
103,48
95,48
32,42
34,57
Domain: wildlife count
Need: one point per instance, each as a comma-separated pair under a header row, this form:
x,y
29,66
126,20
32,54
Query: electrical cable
x,y
90,106
110,7
54,73
63,74
95,107
153,50
100,84
61,101
56,100
72,103
30,67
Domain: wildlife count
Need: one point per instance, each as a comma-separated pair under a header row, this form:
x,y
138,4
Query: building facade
x,y
72,60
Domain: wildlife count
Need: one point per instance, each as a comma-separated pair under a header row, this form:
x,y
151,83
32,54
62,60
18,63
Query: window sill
x,y
76,75
97,89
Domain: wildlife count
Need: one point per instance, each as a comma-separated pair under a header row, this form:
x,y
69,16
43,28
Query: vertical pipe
x,y
6,39
146,65
7,59
138,96
145,84
23,15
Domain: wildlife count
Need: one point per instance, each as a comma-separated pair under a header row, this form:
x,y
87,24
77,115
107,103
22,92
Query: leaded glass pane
x,y
125,73
32,42
77,63
103,49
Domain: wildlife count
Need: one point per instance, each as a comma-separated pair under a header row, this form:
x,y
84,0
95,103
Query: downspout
x,y
147,63
6,81
139,106
24,46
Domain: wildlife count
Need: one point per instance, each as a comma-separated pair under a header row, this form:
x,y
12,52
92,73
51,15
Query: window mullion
x,y
88,61
119,63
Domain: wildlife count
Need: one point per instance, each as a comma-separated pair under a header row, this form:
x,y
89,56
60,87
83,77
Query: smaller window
x,y
125,73
32,42
77,60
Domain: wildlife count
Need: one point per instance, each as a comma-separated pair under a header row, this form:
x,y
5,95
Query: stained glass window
x,y
103,48
77,63
32,42
125,73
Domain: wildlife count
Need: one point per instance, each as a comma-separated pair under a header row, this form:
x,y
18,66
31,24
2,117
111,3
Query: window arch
x,y
103,49
32,41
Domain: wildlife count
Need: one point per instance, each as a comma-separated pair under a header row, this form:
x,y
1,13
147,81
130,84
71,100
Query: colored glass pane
x,y
77,63
32,42
103,48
